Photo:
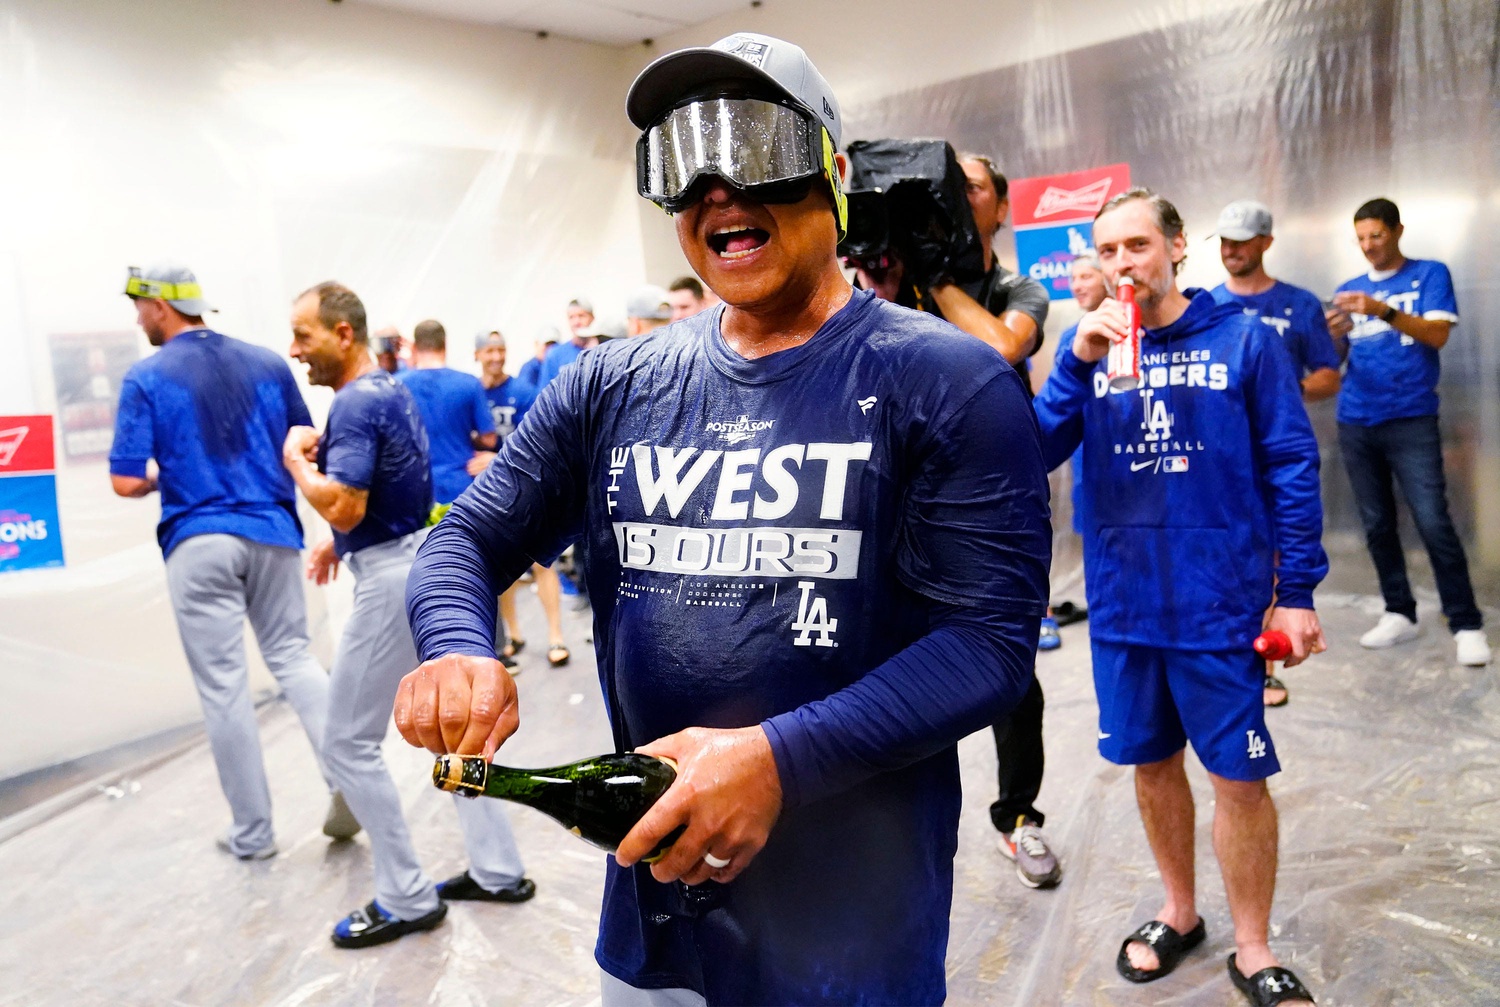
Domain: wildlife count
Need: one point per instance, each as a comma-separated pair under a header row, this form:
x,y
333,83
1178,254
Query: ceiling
x,y
612,22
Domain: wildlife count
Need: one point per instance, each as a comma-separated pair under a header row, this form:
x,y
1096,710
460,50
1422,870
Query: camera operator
x,y
1002,309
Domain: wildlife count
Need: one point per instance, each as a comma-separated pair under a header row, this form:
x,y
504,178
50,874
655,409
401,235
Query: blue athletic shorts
x,y
1153,701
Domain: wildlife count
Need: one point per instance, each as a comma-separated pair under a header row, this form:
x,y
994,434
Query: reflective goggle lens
x,y
745,141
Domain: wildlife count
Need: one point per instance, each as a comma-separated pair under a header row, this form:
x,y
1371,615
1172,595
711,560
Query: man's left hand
x,y
479,462
1302,627
727,793
1363,304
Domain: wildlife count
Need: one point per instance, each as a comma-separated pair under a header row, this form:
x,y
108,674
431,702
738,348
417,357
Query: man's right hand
x,y
1106,324
1339,322
322,563
458,704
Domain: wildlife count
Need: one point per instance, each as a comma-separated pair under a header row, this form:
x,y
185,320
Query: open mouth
x,y
736,242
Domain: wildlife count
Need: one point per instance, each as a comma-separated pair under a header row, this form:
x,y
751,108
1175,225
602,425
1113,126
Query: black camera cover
x,y
908,196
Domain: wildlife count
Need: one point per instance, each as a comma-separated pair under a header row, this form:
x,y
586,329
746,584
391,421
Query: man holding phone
x,y
1398,316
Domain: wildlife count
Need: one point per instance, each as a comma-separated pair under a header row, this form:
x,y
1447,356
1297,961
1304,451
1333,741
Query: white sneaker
x,y
1473,648
1393,628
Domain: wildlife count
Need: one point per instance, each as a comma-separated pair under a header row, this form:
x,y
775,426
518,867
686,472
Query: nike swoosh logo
x,y
1102,735
1137,466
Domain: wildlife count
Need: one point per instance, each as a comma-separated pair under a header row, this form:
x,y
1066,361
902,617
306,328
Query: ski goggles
x,y
770,151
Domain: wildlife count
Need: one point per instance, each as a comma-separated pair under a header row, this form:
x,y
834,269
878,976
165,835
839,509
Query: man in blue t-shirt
x,y
211,413
509,399
1244,232
814,572
1398,316
367,475
585,336
1203,511
455,411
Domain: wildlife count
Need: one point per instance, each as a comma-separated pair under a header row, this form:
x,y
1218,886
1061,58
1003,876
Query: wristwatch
x,y
1389,313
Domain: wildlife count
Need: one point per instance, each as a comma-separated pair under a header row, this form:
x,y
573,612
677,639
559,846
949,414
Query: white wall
x,y
474,175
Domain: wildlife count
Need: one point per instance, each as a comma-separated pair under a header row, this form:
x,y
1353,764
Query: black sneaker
x,y
367,927
463,888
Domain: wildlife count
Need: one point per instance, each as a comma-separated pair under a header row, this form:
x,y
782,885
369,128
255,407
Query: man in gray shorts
x,y
212,412
368,476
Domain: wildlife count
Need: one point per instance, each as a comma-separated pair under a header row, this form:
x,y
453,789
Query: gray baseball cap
x,y
170,282
483,339
759,59
1242,220
649,301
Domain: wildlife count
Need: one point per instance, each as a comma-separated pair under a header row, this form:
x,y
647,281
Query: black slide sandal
x,y
1168,944
1269,987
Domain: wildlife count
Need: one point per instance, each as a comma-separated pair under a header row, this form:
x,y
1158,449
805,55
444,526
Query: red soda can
x,y
1123,366
1273,645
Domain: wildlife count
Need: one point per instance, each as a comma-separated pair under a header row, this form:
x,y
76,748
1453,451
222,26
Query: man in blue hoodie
x,y
1209,470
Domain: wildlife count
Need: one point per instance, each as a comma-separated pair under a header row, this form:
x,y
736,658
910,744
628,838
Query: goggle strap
x,y
136,286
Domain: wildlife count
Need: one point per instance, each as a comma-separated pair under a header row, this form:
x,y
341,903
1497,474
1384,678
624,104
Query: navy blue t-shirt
x,y
213,411
1297,317
375,441
1392,376
454,408
509,401
846,543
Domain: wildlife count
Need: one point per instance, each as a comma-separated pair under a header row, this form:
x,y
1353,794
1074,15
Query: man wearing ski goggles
x,y
891,573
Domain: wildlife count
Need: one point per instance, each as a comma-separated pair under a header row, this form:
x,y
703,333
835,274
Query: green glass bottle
x,y
599,799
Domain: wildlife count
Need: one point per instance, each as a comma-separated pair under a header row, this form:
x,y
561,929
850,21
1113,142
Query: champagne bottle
x,y
599,799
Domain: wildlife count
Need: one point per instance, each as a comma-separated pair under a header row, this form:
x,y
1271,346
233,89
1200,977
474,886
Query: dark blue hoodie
x,y
1199,480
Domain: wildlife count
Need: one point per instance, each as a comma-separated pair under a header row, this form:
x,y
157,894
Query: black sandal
x,y
1269,987
1067,613
1168,944
1272,682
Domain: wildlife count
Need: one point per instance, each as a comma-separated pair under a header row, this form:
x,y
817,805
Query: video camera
x,y
907,198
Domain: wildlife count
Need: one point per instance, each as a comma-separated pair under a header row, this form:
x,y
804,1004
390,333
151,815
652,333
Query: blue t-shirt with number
x,y
1392,376
846,543
375,441
508,404
213,411
1297,317
454,408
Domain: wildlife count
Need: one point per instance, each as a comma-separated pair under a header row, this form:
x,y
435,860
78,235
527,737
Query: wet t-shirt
x,y
374,441
767,538
214,412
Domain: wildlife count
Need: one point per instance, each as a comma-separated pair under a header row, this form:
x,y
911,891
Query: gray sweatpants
x,y
375,653
216,582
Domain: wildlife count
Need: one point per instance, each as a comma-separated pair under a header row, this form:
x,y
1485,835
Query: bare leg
x,y
549,593
508,612
1166,802
1245,835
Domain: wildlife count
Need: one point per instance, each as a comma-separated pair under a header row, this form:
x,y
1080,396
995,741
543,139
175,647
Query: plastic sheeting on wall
x,y
442,170
1312,106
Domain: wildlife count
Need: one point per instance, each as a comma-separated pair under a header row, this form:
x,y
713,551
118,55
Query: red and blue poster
x,y
1053,217
30,535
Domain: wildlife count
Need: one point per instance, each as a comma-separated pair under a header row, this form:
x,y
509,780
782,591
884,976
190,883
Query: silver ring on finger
x,y
715,862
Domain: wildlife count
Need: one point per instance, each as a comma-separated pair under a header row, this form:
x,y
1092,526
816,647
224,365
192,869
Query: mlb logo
x,y
1176,463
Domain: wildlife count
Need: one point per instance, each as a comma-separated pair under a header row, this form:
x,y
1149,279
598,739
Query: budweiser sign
x,y
1065,199
1085,200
